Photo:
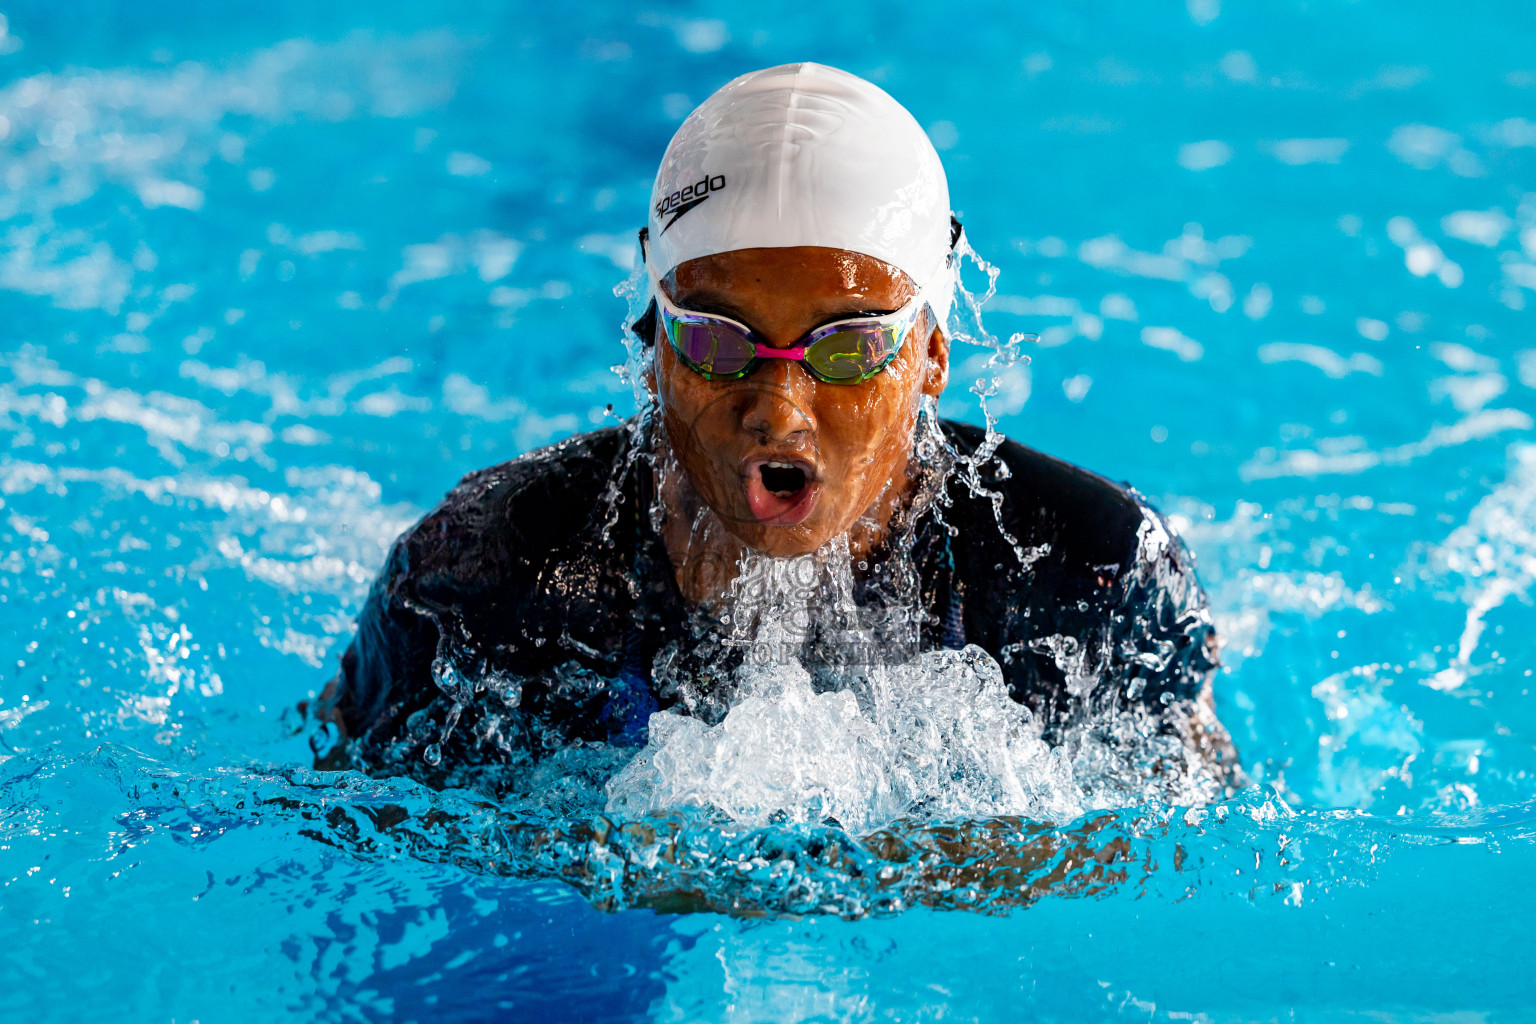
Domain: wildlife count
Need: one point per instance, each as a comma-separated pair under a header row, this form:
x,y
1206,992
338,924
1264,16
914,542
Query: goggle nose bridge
x,y
769,352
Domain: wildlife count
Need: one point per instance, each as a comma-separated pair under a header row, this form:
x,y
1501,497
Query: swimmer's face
x,y
786,461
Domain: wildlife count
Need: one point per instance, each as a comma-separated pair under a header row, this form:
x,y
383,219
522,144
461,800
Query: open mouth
x,y
780,491
782,479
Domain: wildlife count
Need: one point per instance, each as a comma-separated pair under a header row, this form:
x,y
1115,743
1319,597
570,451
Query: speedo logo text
x,y
686,198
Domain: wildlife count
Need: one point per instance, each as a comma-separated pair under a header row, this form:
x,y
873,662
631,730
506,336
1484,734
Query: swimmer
x,y
802,260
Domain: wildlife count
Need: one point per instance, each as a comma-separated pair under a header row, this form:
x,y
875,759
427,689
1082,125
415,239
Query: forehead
x,y
800,270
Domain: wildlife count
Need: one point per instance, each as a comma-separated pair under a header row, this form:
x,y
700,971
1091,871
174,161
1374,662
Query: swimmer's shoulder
x,y
510,519
571,473
1086,519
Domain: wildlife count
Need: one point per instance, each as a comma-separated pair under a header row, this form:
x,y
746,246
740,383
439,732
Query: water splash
x,y
931,735
966,326
1258,848
802,694
937,738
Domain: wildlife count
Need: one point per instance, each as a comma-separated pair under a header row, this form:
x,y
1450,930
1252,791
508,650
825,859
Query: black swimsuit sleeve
x,y
1100,608
390,656
1162,643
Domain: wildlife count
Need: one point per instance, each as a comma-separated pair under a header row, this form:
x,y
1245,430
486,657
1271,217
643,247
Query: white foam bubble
x,y
935,736
938,737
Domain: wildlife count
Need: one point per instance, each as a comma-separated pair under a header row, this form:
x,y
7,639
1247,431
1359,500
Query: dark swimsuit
x,y
536,608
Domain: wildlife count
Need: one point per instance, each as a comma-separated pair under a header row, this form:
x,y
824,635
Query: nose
x,y
775,406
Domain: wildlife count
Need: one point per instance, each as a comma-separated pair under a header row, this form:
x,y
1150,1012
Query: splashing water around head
x,y
936,736
801,689
812,709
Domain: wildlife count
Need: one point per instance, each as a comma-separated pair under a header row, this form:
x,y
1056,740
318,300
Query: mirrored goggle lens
x,y
852,353
711,346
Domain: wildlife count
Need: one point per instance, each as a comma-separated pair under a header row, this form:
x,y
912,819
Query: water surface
x,y
272,278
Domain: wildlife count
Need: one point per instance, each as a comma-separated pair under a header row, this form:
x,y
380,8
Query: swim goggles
x,y
845,351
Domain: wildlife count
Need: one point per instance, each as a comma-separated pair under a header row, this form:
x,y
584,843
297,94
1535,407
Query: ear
x,y
645,329
649,369
938,363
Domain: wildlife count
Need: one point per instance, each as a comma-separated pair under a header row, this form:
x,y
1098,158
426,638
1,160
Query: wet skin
x,y
851,441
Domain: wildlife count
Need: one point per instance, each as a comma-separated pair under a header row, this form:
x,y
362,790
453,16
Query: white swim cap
x,y
804,154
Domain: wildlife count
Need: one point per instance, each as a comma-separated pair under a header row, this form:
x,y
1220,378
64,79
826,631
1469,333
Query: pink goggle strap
x,y
768,352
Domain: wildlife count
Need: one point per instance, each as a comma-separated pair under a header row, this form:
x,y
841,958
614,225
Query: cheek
x,y
680,402
872,423
682,393
696,420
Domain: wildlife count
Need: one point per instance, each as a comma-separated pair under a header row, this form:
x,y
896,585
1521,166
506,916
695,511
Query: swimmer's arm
x,y
1211,742
658,863
386,671
1167,644
987,864
1207,742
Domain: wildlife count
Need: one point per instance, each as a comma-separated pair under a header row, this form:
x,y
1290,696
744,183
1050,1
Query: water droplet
x,y
433,755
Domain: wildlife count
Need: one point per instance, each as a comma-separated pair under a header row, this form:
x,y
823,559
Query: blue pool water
x,y
273,276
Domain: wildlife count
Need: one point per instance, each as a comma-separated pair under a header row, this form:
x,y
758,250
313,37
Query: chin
x,y
786,541
780,541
